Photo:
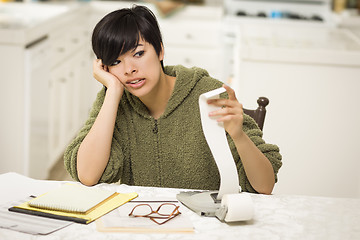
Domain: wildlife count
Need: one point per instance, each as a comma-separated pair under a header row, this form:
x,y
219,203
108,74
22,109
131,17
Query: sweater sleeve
x,y
112,170
271,151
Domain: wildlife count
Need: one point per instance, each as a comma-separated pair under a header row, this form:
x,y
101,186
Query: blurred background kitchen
x,y
304,55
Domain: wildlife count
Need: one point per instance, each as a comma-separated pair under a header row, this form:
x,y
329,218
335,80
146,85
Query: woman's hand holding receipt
x,y
257,167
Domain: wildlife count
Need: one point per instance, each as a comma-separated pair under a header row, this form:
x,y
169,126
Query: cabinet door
x,y
70,104
202,34
70,91
61,109
56,110
86,87
37,70
71,64
193,42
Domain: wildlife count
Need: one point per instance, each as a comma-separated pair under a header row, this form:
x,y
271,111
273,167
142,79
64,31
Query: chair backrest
x,y
259,114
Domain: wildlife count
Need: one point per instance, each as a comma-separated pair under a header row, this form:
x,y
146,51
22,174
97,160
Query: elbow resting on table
x,y
265,189
87,181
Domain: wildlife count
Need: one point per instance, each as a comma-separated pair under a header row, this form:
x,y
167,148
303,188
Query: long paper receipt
x,y
216,138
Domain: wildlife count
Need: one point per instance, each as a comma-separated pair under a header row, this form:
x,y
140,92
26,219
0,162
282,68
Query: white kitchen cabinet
x,y
36,108
24,105
69,101
44,98
12,109
62,107
193,38
69,105
190,57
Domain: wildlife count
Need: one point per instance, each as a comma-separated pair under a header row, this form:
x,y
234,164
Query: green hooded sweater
x,y
170,151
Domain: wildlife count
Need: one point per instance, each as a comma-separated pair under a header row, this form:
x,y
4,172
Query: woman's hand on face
x,y
230,113
101,74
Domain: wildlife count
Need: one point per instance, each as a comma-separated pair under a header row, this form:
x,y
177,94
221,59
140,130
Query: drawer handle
x,y
189,36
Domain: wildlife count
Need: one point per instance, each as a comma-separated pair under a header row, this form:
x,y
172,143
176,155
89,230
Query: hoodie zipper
x,y
155,129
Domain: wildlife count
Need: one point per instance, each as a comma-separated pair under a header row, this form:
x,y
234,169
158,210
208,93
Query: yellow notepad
x,y
110,203
72,198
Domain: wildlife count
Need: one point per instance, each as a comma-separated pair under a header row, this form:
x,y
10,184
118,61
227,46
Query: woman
x,y
145,129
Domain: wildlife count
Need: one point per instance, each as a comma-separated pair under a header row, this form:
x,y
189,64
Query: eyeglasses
x,y
165,211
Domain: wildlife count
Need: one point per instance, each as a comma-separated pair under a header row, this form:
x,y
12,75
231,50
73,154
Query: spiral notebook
x,y
75,203
72,198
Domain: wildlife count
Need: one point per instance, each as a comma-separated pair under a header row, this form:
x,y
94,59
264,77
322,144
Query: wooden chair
x,y
259,114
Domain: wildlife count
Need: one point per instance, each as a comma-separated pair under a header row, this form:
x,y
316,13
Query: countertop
x,y
23,23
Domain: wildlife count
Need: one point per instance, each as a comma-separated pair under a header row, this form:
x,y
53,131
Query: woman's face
x,y
139,70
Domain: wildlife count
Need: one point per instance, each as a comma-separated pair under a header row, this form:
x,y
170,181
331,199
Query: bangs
x,y
116,39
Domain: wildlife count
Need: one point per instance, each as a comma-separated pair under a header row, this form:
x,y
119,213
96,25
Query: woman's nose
x,y
129,68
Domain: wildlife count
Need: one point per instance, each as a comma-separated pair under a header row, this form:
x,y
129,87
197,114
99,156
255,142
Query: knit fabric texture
x,y
170,151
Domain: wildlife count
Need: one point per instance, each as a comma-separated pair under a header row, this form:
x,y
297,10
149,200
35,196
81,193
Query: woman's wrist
x,y
115,91
240,137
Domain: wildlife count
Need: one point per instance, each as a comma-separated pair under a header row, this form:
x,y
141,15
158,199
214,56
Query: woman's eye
x,y
115,63
139,54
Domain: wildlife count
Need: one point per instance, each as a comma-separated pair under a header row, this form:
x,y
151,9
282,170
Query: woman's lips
x,y
136,83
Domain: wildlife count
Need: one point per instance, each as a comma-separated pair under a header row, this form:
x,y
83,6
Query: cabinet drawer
x,y
65,42
78,36
59,50
209,59
186,33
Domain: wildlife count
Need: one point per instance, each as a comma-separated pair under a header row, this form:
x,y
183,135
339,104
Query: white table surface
x,y
276,216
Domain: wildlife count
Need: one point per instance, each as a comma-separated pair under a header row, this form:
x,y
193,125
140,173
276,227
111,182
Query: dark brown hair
x,y
120,31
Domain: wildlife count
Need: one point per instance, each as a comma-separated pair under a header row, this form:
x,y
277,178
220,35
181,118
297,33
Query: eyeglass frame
x,y
168,217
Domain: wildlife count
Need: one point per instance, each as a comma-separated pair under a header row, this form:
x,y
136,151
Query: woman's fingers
x,y
229,106
102,75
230,112
230,92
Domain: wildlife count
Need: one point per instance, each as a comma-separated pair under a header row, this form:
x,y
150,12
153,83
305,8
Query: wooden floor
x,y
58,172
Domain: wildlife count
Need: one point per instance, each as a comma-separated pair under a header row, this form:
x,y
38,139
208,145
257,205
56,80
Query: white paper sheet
x,y
216,138
120,221
28,223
